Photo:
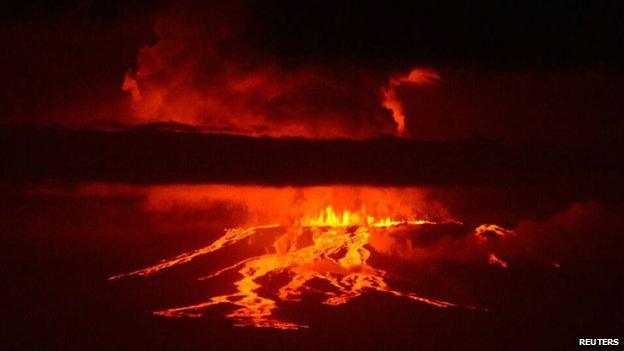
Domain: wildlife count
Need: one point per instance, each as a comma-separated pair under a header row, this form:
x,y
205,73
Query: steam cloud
x,y
583,232
417,76
208,76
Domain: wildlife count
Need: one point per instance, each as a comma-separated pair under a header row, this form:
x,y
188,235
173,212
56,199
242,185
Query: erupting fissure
x,y
329,247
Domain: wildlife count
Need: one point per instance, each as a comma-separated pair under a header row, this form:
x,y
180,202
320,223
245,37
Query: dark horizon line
x,y
153,156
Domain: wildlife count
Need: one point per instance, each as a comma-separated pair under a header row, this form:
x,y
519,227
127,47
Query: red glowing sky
x,y
211,66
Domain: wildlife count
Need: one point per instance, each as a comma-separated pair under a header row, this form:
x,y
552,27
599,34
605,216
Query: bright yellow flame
x,y
329,218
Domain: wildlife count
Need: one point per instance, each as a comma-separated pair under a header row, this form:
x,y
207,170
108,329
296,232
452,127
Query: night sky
x,y
512,72
132,132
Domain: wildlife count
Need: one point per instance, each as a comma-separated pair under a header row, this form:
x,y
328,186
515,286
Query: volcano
x,y
309,175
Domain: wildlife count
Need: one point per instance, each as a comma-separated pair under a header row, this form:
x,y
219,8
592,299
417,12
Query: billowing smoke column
x,y
210,78
417,76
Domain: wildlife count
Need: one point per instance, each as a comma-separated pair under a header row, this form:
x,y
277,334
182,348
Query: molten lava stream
x,y
330,247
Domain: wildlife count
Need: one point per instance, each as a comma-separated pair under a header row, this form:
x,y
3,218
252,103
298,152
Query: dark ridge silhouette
x,y
146,155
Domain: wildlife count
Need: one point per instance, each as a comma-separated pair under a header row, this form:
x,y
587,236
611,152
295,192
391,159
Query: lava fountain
x,y
325,253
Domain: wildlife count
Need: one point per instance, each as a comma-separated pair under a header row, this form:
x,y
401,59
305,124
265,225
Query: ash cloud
x,y
287,70
579,234
204,71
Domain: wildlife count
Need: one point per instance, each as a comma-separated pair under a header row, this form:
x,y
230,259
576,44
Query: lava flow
x,y
329,248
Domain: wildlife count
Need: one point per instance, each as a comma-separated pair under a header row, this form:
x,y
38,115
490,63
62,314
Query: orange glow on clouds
x,y
417,76
284,205
189,77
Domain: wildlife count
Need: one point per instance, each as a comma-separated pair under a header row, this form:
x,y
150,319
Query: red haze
x,y
196,76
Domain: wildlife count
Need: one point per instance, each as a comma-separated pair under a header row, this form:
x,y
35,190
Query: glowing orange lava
x,y
329,247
